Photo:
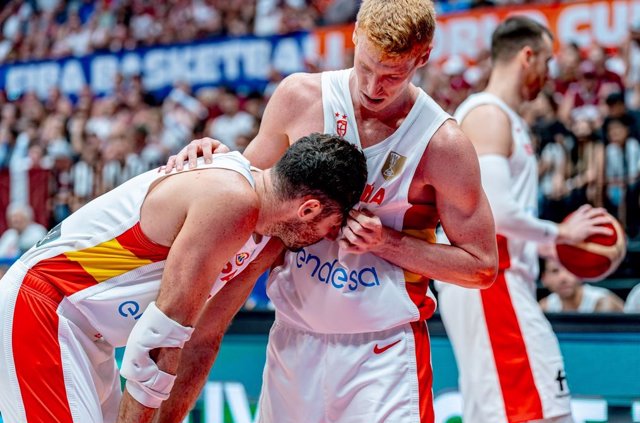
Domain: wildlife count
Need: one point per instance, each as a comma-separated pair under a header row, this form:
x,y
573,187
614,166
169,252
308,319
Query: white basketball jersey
x,y
591,295
325,291
516,255
109,271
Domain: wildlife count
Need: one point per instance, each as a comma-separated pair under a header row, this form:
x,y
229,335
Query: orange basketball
x,y
597,256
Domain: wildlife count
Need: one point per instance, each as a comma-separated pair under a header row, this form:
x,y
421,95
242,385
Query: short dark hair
x,y
515,33
615,98
326,167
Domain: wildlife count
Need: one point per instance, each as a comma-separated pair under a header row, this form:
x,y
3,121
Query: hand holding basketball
x,y
600,252
585,222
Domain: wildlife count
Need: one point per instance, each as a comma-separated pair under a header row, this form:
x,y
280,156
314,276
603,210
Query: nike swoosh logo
x,y
378,350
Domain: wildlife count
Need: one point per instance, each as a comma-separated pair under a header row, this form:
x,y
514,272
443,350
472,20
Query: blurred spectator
x,y
623,176
180,114
607,81
566,72
582,97
632,62
632,303
233,123
23,232
120,161
617,109
571,170
552,167
453,87
570,293
542,117
86,172
586,170
61,155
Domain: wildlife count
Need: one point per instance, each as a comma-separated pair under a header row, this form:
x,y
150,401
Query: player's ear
x,y
354,35
527,55
424,56
309,209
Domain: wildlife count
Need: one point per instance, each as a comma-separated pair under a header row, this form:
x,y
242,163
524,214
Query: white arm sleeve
x,y
511,220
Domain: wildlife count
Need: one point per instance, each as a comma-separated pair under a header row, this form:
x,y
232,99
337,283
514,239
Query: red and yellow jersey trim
x,y
75,270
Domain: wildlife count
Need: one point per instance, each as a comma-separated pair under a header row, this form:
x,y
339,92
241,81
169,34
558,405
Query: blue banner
x,y
243,63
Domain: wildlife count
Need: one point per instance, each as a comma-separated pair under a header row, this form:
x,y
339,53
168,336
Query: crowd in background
x,y
586,123
39,29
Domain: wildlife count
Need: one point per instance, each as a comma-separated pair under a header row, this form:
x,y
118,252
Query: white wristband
x,y
146,383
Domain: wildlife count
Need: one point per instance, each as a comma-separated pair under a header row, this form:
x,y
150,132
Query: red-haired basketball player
x,y
350,343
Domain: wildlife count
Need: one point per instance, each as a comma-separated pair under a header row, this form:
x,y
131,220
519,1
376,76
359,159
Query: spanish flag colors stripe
x,y
77,270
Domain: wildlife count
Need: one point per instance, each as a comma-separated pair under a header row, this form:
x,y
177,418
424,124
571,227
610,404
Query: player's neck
x,y
264,191
504,83
272,208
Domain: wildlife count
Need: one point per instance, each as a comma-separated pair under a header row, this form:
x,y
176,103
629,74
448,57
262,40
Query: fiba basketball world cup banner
x,y
244,62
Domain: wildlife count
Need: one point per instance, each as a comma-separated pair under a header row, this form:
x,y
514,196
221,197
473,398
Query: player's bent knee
x,y
146,383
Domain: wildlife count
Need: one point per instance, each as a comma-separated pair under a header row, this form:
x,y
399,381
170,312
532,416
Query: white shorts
x,y
51,369
510,365
370,377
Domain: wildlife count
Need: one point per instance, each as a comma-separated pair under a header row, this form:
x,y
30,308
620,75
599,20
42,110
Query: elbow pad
x,y
146,383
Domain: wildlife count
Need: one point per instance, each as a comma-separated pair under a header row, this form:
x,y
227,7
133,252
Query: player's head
x,y
559,280
529,45
323,176
392,39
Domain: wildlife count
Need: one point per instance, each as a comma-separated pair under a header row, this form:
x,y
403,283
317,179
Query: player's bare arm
x,y
200,249
471,259
489,129
201,351
294,110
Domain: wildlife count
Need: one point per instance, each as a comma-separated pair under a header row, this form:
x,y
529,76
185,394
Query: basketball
x,y
597,256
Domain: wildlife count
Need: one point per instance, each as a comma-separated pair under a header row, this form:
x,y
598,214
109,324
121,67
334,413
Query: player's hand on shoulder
x,y
205,147
583,223
363,232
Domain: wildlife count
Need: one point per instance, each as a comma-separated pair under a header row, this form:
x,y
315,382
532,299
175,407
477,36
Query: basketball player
x,y
350,342
510,365
80,292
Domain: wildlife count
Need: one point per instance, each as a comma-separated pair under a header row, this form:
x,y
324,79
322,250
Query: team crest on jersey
x,y
393,165
341,124
241,257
